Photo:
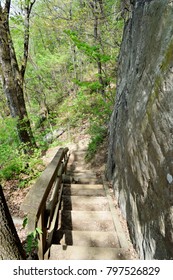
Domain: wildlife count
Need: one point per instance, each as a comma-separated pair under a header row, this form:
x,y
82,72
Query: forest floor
x,y
15,195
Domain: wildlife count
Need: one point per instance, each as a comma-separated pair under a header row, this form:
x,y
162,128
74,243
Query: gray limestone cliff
x,y
140,158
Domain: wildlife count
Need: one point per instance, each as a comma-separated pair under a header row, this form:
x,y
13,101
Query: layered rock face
x,y
140,159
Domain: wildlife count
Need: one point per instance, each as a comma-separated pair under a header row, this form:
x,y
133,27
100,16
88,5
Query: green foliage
x,y
62,74
93,86
32,240
98,134
14,163
100,115
25,222
10,164
93,52
11,169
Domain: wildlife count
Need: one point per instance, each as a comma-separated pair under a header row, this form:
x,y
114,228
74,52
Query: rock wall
x,y
140,158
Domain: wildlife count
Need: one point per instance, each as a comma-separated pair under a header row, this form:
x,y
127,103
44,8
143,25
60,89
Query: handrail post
x,y
42,235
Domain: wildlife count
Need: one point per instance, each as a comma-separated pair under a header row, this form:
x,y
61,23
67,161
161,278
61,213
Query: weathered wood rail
x,y
42,203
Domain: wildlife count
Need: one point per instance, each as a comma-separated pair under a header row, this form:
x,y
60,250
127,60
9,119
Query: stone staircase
x,y
88,226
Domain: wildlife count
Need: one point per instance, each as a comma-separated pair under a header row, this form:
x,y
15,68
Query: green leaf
x,y
38,230
25,222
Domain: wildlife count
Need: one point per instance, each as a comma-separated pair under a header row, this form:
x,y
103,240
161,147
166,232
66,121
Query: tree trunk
x,y
10,245
13,79
96,12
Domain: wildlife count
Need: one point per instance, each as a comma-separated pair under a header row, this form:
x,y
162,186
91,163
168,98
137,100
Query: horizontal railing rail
x,y
43,201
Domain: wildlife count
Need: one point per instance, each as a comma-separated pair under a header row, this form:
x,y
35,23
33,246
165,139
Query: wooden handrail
x,y
36,203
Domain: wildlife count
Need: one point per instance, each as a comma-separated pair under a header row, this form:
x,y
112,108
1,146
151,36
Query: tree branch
x,y
27,11
7,6
31,5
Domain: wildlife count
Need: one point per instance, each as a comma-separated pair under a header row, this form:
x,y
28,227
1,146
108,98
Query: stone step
x,y
84,189
82,165
78,153
83,178
79,168
82,173
85,203
86,220
64,252
77,156
86,238
77,161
